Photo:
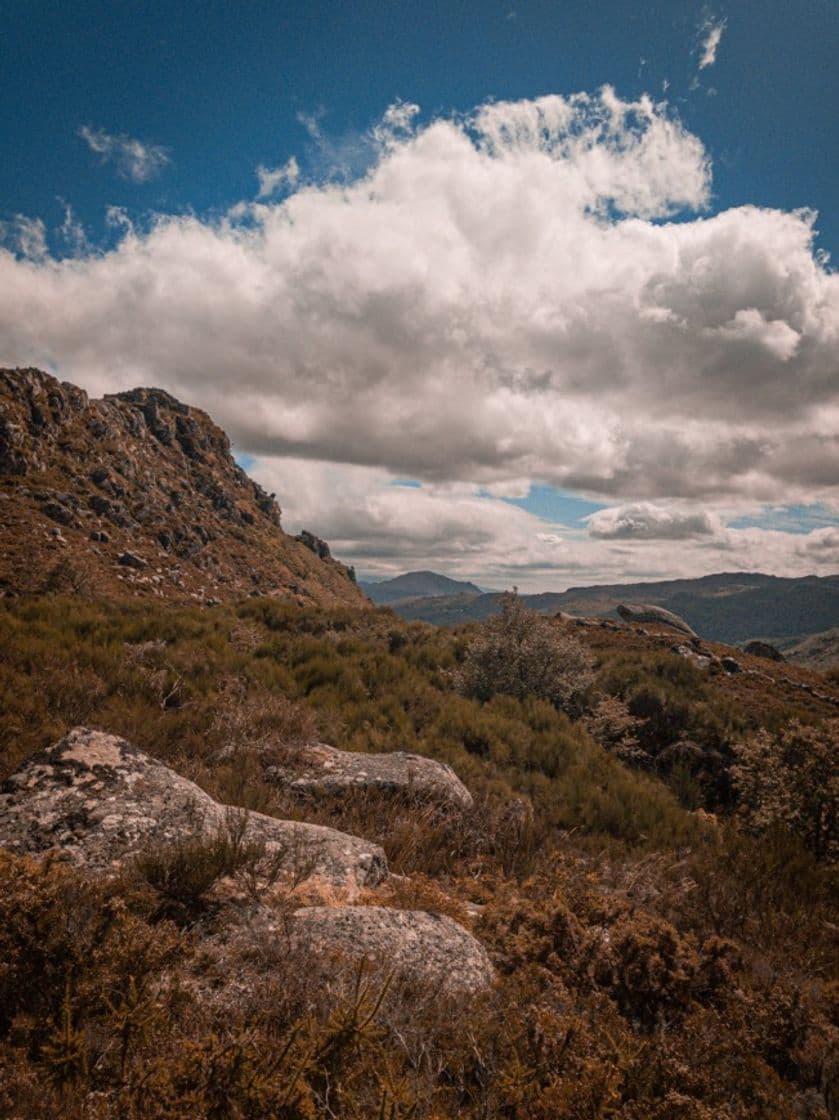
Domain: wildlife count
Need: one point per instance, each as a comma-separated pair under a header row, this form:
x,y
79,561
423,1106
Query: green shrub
x,y
521,653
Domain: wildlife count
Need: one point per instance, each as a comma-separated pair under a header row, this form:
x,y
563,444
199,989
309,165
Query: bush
x,y
791,780
522,653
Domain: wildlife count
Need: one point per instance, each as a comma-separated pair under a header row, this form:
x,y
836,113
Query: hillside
x,y
726,607
417,585
530,913
818,651
138,495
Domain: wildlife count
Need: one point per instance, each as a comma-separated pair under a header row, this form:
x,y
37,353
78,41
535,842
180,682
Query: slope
x,y
138,495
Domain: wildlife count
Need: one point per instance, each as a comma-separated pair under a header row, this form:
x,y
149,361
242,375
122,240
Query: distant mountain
x,y
727,607
138,495
417,585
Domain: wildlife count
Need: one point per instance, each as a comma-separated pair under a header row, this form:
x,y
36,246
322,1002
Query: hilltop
x,y
138,494
417,585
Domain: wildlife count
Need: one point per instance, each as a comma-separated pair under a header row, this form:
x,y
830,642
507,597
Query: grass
x,y
653,964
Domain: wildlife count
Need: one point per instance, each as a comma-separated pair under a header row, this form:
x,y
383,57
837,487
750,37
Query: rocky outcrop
x,y
649,612
99,801
763,649
320,769
412,944
141,475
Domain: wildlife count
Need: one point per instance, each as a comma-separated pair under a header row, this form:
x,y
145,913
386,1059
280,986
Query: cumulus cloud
x,y
711,34
133,159
496,299
647,522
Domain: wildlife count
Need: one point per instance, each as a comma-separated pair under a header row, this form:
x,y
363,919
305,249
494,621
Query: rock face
x,y
99,800
320,769
139,474
649,612
413,944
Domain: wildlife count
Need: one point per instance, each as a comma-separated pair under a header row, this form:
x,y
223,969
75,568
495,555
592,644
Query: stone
x,y
99,800
59,512
414,945
132,560
730,664
317,768
649,612
763,649
700,660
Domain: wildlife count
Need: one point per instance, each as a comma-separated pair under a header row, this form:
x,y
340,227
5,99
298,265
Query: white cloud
x,y
133,159
385,529
25,236
647,522
72,231
711,33
272,180
496,300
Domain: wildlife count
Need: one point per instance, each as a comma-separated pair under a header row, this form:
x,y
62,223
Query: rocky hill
x,y
138,494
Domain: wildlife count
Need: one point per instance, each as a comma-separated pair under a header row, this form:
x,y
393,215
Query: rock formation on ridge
x,y
138,494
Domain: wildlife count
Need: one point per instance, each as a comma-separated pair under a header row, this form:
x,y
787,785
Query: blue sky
x,y
692,427
222,86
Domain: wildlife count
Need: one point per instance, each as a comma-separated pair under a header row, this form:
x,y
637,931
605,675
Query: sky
x,y
534,294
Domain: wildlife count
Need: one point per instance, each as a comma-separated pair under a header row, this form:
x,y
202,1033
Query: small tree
x,y
522,653
791,780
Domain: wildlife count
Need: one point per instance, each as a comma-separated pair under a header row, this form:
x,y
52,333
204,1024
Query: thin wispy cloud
x,y
27,237
711,32
274,179
135,160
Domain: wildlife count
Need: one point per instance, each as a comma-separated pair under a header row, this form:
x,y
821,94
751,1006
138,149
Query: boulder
x,y
730,664
649,612
317,768
132,560
99,800
414,945
763,649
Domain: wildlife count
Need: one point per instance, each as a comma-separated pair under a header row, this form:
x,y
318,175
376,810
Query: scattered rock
x,y
59,513
649,612
763,649
413,944
730,664
132,560
99,800
101,536
318,768
700,660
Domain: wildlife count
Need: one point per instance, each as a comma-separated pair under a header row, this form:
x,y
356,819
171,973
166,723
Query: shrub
x,y
184,872
791,780
522,653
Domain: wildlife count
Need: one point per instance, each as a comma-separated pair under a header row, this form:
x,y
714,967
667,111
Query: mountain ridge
x,y
731,607
138,494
